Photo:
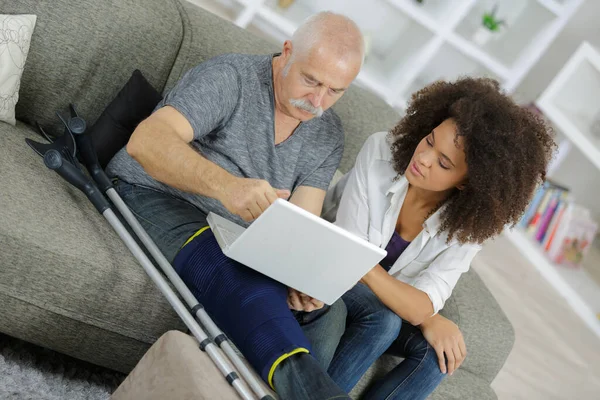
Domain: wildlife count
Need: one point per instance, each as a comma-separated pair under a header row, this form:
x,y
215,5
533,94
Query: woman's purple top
x,y
394,249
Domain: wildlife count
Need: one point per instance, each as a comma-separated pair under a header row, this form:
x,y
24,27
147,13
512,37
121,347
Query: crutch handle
x,y
55,161
77,126
90,159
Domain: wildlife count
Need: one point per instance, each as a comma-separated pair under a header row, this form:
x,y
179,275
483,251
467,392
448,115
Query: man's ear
x,y
287,49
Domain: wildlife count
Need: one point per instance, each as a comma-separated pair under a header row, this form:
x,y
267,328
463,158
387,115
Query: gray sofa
x,y
66,280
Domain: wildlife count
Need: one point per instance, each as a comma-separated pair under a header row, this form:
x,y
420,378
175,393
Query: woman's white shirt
x,y
371,199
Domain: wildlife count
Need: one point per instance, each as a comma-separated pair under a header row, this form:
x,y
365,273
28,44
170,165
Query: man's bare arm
x,y
161,145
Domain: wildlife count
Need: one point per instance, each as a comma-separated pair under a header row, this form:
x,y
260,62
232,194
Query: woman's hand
x,y
301,302
447,340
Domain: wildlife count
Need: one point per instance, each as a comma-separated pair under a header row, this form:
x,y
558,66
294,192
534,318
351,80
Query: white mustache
x,y
306,106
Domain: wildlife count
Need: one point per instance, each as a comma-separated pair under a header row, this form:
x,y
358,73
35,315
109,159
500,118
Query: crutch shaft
x,y
223,364
186,294
61,157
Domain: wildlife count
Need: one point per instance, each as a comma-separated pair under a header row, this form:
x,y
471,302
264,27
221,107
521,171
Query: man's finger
x,y
262,203
451,361
309,307
441,358
317,303
305,298
271,196
295,304
254,210
247,216
295,300
282,193
306,302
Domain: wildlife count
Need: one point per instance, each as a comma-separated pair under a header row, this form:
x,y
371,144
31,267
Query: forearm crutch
x,y
61,156
77,126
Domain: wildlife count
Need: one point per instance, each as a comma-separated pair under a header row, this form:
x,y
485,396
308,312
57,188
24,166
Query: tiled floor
x,y
555,355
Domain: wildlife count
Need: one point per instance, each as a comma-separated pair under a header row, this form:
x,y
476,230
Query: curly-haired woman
x,y
460,166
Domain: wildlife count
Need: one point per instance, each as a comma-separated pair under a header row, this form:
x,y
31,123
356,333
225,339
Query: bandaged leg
x,y
302,377
248,306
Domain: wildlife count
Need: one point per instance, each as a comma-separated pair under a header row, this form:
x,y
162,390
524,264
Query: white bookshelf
x,y
571,101
575,285
571,104
413,44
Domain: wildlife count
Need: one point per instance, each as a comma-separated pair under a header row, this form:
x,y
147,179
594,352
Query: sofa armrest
x,y
463,385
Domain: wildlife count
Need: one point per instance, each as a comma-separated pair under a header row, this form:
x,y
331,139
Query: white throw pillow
x,y
15,36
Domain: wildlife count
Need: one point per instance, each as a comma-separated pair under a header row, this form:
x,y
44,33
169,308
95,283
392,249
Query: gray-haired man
x,y
236,133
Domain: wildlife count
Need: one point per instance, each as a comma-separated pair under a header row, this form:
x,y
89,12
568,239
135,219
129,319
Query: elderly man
x,y
236,133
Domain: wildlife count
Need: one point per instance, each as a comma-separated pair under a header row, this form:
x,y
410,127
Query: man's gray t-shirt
x,y
229,102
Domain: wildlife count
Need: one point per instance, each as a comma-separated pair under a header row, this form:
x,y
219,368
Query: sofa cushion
x,y
134,103
489,335
82,52
61,257
15,37
207,35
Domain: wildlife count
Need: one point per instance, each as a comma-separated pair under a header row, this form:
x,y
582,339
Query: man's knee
x,y
339,309
337,315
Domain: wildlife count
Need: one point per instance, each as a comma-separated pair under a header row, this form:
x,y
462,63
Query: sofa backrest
x,y
84,51
206,35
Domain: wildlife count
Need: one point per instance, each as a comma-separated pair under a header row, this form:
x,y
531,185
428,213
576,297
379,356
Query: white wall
x,y
583,26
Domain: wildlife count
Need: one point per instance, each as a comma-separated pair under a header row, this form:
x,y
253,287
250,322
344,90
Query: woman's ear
x,y
462,185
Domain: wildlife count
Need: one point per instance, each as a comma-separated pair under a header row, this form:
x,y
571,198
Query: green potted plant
x,y
490,27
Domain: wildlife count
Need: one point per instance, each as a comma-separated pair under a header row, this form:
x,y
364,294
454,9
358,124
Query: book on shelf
x,y
537,214
533,206
560,209
564,230
548,214
573,238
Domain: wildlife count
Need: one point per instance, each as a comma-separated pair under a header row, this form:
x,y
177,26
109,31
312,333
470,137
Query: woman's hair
x,y
507,151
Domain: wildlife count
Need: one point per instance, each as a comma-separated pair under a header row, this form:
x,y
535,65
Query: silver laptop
x,y
298,249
